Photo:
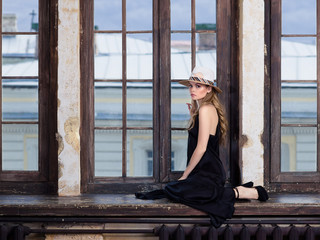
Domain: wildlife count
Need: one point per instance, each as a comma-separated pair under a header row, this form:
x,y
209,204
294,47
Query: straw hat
x,y
204,76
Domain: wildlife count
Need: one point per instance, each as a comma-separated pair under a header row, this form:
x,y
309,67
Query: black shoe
x,y
262,194
248,185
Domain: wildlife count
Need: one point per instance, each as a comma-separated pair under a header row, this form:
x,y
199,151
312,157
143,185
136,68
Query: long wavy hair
x,y
210,98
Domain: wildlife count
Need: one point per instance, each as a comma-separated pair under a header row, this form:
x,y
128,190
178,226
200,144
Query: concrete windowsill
x,y
120,205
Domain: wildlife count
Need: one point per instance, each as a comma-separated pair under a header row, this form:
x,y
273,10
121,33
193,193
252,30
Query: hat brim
x,y
187,82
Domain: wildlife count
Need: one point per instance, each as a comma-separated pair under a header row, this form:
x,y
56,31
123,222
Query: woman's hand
x,y
189,108
183,177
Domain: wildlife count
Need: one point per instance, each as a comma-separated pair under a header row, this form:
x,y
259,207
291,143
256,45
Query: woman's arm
x,y
208,119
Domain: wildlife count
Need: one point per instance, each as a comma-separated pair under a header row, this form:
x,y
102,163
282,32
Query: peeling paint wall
x,y
68,97
100,236
75,237
252,88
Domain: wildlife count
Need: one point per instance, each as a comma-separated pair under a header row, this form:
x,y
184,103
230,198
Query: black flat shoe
x,y
262,194
248,185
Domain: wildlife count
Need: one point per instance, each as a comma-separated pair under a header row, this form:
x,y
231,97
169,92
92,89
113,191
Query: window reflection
x,y
299,103
299,17
298,58
298,149
20,100
19,147
20,19
19,55
108,153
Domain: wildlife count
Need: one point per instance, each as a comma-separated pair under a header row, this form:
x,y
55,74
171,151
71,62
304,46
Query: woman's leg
x,y
245,193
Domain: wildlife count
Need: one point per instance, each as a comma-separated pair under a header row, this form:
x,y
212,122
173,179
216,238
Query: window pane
x,y
181,15
139,56
20,55
298,58
299,103
108,153
108,104
20,147
205,12
108,14
18,18
180,56
139,15
206,53
299,17
179,144
139,104
20,100
179,109
298,149
139,158
108,56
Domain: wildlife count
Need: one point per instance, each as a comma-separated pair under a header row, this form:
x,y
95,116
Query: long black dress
x,y
204,188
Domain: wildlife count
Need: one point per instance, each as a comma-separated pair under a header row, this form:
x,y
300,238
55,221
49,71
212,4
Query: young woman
x,y
201,185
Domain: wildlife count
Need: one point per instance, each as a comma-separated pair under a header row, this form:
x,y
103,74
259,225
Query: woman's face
x,y
198,91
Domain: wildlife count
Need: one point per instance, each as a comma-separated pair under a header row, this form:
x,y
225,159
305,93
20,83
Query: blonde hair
x,y
210,98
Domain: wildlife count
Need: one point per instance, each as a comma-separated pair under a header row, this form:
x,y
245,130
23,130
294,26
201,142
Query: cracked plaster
x,y
252,88
68,98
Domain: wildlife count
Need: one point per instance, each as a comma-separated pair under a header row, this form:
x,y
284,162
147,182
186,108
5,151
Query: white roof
x,y
298,59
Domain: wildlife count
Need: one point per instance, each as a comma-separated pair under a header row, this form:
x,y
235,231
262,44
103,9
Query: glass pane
x,y
299,103
298,59
139,15
140,153
20,147
205,12
20,55
179,110
298,149
20,100
20,15
139,56
180,56
139,104
179,144
206,53
108,104
108,153
108,14
181,15
299,17
108,56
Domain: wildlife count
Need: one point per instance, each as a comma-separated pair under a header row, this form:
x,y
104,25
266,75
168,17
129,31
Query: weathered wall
x,y
68,97
252,88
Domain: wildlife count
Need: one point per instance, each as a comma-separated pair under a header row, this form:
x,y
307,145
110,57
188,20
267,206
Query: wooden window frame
x,y
43,181
227,77
274,178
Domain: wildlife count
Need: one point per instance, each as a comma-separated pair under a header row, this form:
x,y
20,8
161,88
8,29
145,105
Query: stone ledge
x,y
121,205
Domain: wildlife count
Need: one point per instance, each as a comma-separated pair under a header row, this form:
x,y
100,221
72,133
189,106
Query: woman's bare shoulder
x,y
208,109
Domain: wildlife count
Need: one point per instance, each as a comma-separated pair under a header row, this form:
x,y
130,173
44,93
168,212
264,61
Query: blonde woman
x,y
201,185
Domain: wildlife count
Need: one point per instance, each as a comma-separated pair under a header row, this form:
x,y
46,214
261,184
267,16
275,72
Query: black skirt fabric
x,y
204,188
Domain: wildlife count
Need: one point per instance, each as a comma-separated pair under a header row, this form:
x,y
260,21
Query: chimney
x,y
206,40
9,23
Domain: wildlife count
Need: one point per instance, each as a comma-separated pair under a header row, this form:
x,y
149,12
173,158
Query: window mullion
x,y
124,90
156,90
275,89
1,90
165,89
318,85
193,34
